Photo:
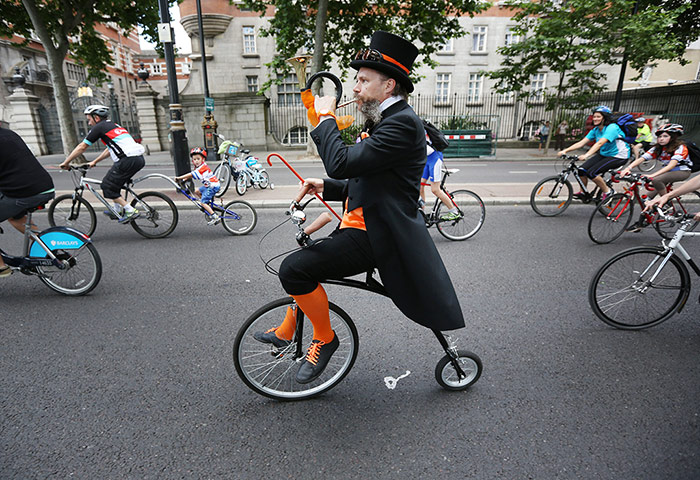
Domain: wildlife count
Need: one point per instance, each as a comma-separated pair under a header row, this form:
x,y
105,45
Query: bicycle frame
x,y
633,190
85,182
432,218
572,169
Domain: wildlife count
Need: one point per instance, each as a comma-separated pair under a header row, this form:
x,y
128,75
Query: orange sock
x,y
315,306
289,324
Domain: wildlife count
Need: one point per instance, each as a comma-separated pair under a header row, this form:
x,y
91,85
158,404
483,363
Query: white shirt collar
x,y
389,102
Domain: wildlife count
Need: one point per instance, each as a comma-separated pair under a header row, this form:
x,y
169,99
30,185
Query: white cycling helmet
x,y
640,119
99,110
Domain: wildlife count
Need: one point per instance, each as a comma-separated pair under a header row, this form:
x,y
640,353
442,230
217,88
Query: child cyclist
x,y
210,185
672,153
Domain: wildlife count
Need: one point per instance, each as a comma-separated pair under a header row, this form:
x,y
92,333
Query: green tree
x,y
66,28
334,30
572,39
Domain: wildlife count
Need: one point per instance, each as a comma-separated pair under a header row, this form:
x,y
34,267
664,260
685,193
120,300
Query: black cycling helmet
x,y
671,128
198,151
99,110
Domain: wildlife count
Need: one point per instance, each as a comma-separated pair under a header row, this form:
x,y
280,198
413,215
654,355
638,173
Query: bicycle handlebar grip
x,y
331,77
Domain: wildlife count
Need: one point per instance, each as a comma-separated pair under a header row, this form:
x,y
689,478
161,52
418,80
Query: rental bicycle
x,y
63,258
552,195
271,371
237,217
157,213
612,217
644,286
470,207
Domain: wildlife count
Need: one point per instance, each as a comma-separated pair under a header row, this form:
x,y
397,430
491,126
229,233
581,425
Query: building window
x,y
249,40
511,38
116,54
474,87
156,69
507,97
288,90
75,72
537,84
447,47
252,83
296,136
442,87
479,39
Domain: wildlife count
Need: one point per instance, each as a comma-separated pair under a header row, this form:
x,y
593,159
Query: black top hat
x,y
390,54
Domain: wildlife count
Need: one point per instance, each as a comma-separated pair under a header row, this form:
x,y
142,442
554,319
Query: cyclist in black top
x,y
24,184
121,146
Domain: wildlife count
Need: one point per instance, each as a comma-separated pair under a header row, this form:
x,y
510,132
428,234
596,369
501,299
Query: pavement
x,y
502,193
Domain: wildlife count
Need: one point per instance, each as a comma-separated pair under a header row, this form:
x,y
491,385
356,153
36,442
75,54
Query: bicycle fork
x,y
451,350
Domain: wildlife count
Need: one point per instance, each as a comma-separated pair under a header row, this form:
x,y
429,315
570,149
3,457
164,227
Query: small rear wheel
x,y
447,376
264,180
551,196
157,215
238,217
242,183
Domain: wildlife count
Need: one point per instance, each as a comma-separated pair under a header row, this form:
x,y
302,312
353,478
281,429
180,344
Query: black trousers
x,y
344,253
119,174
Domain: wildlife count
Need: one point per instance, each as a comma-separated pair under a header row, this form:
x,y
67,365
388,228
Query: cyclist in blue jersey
x,y
608,152
126,154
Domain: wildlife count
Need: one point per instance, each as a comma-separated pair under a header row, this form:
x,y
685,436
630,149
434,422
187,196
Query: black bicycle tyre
x,y
618,296
81,286
610,218
224,178
146,224
447,377
547,206
241,225
60,209
249,355
679,206
242,183
472,215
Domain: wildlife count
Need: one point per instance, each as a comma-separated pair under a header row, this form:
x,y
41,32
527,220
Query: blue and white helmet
x,y
605,110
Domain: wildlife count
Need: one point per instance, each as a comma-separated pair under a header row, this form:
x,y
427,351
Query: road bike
x,y
157,213
470,208
63,258
270,371
644,286
552,195
237,217
612,217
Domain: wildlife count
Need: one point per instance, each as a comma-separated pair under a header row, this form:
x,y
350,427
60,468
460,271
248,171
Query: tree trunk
x,y
317,59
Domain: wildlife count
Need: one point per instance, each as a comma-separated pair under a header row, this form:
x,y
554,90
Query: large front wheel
x,y
639,288
223,174
271,371
610,219
72,211
238,217
157,215
81,273
469,217
551,196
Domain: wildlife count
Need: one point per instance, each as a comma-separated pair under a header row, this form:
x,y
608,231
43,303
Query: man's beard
x,y
371,111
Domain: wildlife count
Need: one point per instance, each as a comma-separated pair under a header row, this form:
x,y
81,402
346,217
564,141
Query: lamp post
x,y
209,125
113,105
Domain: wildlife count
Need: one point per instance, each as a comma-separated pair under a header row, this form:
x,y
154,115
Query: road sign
x,y
209,104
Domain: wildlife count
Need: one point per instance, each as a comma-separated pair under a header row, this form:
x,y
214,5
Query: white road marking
x,y
391,382
523,171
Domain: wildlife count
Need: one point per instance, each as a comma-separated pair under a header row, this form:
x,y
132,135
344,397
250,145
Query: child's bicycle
x,y
610,219
237,217
552,195
63,258
470,207
157,213
271,371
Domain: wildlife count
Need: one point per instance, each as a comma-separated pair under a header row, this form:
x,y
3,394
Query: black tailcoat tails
x,y
382,175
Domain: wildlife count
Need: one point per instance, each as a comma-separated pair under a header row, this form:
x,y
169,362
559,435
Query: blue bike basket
x,y
232,149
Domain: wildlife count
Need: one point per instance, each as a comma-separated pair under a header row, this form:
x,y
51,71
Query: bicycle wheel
x,y
271,371
635,289
551,196
157,215
77,213
223,173
264,180
241,183
471,216
647,165
610,219
686,203
238,217
80,277
447,377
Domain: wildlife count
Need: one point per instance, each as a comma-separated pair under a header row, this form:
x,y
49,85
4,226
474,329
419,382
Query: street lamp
x,y
113,105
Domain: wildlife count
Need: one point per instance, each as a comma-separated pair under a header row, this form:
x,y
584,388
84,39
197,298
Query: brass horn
x,y
299,63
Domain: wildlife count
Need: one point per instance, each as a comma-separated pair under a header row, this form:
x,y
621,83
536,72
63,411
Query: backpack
x,y
437,138
628,126
694,155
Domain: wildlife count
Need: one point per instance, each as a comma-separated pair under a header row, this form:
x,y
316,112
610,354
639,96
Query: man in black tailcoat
x,y
378,180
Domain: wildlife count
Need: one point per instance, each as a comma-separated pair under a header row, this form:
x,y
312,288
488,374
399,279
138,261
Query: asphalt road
x,y
136,379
